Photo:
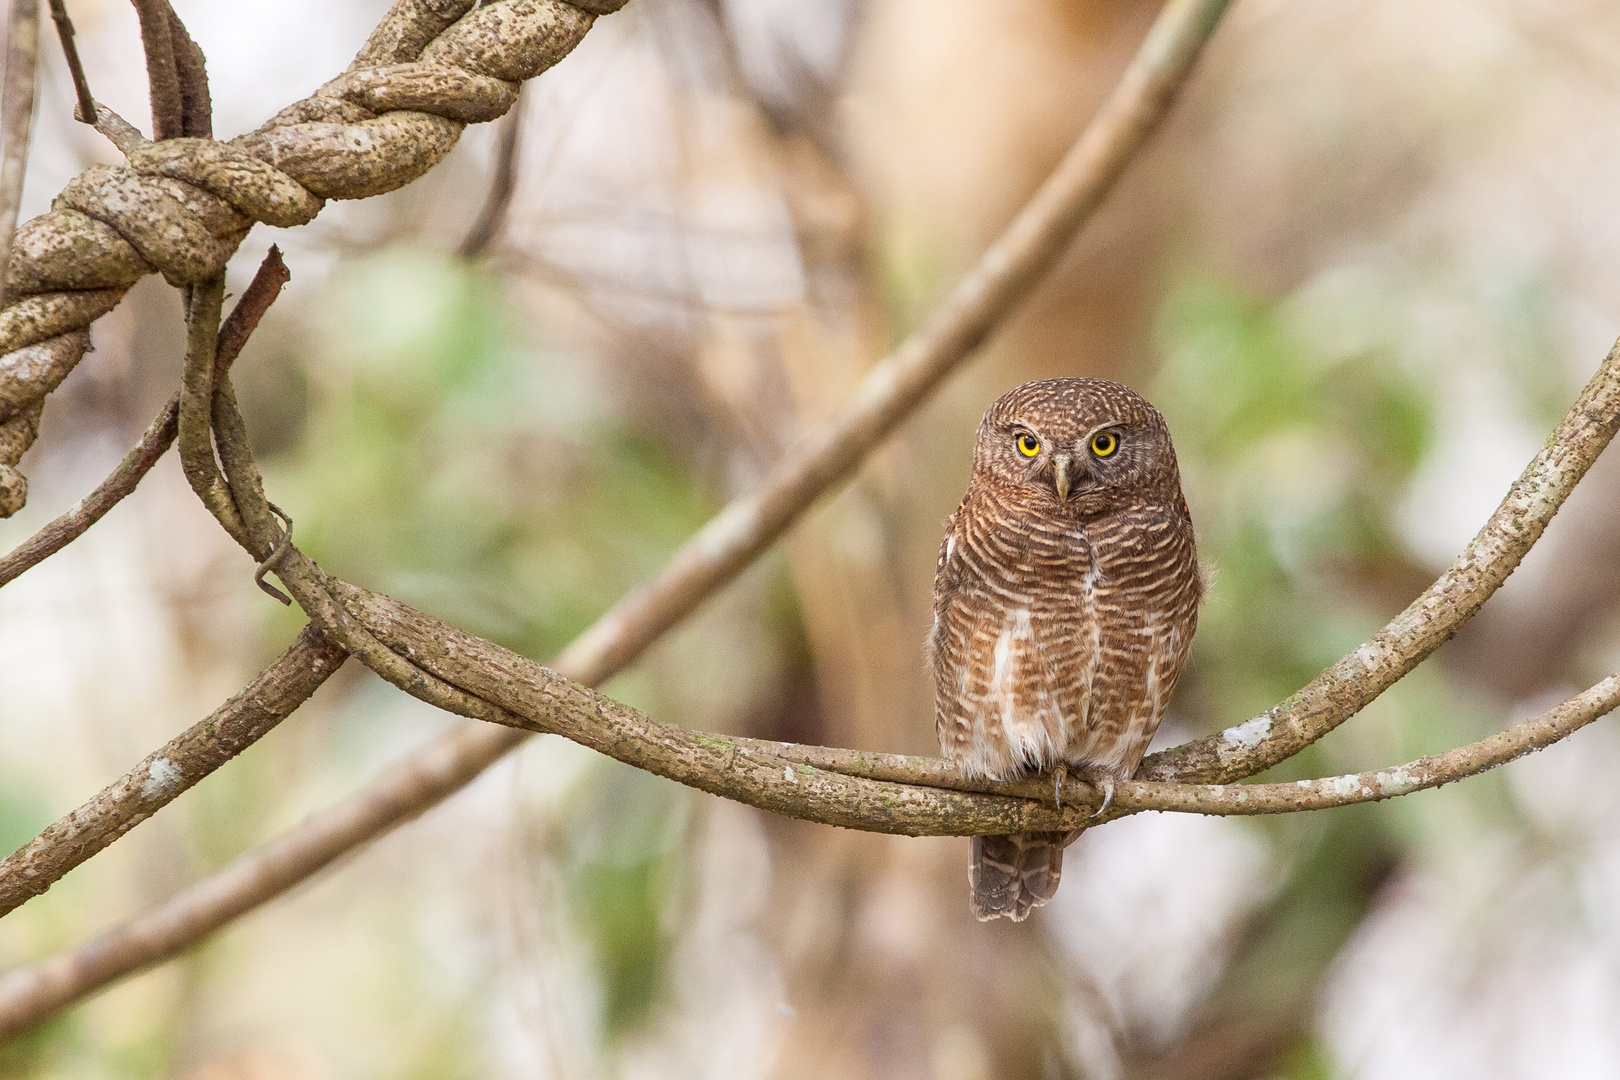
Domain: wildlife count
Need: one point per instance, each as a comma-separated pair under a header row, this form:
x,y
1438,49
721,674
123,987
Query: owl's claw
x,y
1060,773
1106,782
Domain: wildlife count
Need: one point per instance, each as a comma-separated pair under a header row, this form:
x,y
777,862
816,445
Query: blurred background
x,y
1362,272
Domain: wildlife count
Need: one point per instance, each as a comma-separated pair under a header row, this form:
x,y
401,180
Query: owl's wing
x,y
954,648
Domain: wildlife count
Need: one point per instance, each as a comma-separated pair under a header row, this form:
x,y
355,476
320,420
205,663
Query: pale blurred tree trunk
x,y
957,132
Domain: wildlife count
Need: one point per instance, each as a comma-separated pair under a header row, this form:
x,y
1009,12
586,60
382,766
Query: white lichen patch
x,y
1345,785
1249,734
1396,781
162,778
787,774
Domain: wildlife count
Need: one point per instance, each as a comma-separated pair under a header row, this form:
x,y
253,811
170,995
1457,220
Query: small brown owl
x,y
1064,605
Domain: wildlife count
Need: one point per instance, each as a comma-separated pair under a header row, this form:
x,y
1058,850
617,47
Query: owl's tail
x,y
1010,875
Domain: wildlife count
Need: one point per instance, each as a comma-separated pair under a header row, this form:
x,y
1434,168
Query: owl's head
x,y
1087,445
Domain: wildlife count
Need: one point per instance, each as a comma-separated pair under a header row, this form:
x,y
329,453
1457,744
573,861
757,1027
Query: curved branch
x,y
753,770
1229,800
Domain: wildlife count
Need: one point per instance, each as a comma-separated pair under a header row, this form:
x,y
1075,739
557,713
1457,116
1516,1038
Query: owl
x,y
1065,600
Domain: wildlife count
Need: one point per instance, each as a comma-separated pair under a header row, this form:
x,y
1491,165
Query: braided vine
x,y
180,207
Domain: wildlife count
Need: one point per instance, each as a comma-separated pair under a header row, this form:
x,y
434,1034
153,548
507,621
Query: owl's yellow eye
x,y
1104,443
1029,445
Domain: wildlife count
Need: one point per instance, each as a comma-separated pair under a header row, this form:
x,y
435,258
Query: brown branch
x,y
85,110
17,117
162,73
1002,277
196,432
268,281
753,771
1228,800
172,769
266,285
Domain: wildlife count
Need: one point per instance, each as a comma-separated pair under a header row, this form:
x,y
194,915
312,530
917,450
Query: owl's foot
x,y
1103,780
1060,773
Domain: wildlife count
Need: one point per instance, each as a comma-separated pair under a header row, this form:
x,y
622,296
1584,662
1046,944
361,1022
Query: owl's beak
x,y
1060,467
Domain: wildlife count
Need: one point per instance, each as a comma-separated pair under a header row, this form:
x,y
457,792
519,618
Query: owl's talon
x,y
1105,782
1060,773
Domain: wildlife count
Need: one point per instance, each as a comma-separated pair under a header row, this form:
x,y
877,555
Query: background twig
x,y
172,769
62,531
492,218
85,110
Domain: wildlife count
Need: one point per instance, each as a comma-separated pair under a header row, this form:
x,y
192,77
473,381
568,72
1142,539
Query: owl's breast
x,y
1056,640
1014,643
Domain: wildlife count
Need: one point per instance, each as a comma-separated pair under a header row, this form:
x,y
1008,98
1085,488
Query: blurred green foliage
x,y
1293,460
618,853
450,461
450,464
1295,453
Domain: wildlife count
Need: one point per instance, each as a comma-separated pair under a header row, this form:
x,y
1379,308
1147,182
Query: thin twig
x,y
172,769
268,281
85,110
492,218
17,117
90,509
245,316
1228,800
120,132
162,74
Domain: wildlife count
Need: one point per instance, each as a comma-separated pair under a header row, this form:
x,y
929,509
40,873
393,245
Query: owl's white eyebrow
x,y
1104,426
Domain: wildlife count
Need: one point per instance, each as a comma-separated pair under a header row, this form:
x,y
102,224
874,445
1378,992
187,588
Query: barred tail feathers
x,y
1012,875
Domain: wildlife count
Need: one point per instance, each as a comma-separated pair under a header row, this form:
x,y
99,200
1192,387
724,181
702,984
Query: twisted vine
x,y
180,207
